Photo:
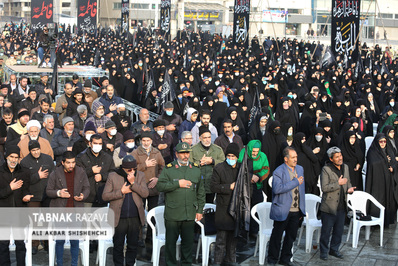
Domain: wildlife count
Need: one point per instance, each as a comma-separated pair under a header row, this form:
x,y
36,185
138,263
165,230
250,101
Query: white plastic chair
x,y
28,243
84,246
311,221
368,142
375,125
265,224
205,241
103,244
159,233
357,201
319,186
265,197
270,180
364,169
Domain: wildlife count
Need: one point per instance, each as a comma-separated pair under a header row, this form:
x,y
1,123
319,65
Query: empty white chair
x,y
265,228
205,241
375,125
365,165
158,233
319,186
103,244
357,202
28,243
265,197
368,142
311,221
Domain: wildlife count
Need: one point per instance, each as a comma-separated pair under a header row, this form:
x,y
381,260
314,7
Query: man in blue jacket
x,y
288,207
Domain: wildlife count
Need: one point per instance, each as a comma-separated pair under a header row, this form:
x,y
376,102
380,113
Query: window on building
x,y
140,6
65,4
27,4
385,15
295,11
117,5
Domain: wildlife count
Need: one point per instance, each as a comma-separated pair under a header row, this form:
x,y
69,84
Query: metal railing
x,y
134,110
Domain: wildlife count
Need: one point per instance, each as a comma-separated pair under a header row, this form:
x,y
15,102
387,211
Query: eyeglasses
x,y
382,141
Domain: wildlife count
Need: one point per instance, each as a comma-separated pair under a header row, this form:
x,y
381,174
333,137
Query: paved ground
x,y
368,253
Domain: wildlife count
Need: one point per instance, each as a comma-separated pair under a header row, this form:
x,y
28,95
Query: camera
x,y
51,32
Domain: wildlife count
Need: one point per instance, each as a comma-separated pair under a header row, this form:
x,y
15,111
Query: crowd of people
x,y
278,108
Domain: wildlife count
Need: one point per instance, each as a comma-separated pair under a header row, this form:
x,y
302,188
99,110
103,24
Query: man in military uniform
x,y
184,201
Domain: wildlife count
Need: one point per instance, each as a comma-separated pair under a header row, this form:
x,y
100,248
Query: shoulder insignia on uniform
x,y
176,166
169,165
195,164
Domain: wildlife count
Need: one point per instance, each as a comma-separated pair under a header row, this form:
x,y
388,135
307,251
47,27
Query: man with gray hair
x,y
335,184
80,118
186,136
49,130
288,207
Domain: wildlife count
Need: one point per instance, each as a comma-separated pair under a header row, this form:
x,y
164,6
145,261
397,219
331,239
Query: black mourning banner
x,y
87,15
241,22
345,26
165,8
42,13
125,15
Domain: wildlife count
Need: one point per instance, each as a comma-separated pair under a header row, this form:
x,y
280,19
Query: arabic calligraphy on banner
x,y
202,15
87,15
165,8
42,13
241,22
125,15
345,26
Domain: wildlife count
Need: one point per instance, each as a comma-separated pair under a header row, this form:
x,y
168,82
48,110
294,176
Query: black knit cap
x,y
203,129
12,149
145,134
129,162
159,122
33,144
232,148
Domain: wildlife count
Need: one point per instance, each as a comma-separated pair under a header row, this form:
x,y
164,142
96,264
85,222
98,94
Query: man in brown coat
x,y
125,188
33,127
151,162
68,186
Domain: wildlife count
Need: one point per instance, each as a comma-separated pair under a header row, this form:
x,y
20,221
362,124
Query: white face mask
x,y
160,132
130,145
392,104
97,148
88,137
324,100
318,138
217,83
113,132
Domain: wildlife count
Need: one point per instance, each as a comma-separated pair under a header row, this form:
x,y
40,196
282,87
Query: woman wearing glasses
x,y
381,178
